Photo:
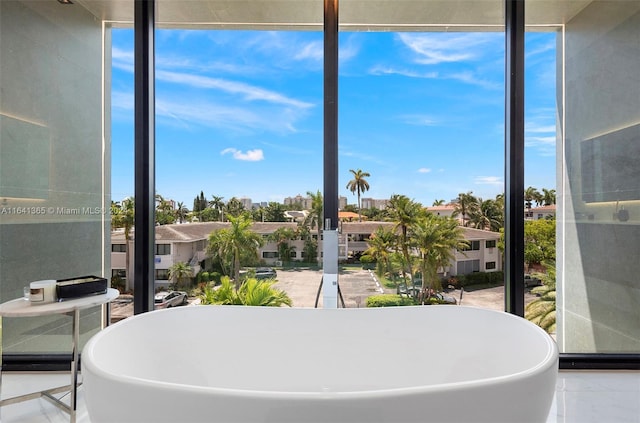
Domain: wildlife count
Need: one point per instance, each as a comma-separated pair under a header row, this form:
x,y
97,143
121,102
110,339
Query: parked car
x,y
415,292
266,273
167,299
447,299
531,281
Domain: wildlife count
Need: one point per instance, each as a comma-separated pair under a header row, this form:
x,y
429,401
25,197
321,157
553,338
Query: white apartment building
x,y
543,212
187,243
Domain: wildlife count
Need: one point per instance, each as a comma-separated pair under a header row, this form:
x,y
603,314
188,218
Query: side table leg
x,y
74,365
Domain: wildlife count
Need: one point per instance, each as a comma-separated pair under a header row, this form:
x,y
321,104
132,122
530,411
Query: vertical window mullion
x,y
514,160
144,238
330,178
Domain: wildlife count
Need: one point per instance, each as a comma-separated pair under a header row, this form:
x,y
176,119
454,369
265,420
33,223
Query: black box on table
x,y
83,286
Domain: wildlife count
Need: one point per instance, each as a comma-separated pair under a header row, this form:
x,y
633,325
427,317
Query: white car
x,y
167,299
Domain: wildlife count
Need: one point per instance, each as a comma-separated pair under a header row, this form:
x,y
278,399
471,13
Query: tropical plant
x,y
358,185
436,239
310,248
252,292
180,272
530,195
274,212
217,204
465,206
230,244
122,216
281,237
199,204
548,196
438,203
487,216
542,311
404,212
234,207
181,212
381,244
313,220
165,214
539,241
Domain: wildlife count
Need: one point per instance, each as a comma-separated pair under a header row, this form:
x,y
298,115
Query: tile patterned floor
x,y
581,397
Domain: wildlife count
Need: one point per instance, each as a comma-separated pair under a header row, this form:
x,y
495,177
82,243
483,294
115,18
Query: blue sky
x,y
240,113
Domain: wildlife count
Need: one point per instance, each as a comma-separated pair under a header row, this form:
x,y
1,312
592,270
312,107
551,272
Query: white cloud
x,y
122,59
185,111
472,79
250,156
249,92
419,120
387,70
540,131
537,128
424,170
349,48
435,48
467,77
313,50
488,180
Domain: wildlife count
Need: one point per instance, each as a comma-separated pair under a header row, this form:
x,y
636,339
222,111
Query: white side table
x,y
23,308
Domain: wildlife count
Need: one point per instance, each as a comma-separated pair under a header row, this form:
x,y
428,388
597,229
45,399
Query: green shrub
x,y
118,283
389,300
481,278
365,258
368,262
215,277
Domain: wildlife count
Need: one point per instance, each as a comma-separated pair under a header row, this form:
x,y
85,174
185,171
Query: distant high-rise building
x,y
304,202
370,203
342,202
246,202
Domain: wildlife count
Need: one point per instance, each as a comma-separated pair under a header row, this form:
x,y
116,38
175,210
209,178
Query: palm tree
x,y
530,195
315,217
230,244
181,212
542,311
488,216
180,272
281,237
405,213
234,207
216,203
438,203
436,239
358,184
465,205
381,244
164,211
252,292
548,196
122,216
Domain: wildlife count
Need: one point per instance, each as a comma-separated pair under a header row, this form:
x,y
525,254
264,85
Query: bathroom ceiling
x,y
363,15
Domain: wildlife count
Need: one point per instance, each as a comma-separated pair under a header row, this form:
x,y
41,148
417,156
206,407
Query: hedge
x,y
479,278
389,300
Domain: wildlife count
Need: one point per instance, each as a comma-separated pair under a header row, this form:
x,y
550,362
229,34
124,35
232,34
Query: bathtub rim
x,y
550,360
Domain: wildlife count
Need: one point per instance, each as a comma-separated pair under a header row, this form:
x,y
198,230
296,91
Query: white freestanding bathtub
x,y
264,364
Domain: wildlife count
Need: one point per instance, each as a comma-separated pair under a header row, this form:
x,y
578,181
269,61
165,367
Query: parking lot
x,y
302,286
358,284
355,285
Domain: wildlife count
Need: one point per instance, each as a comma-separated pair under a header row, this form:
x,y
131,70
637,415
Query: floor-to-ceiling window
x,y
594,120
